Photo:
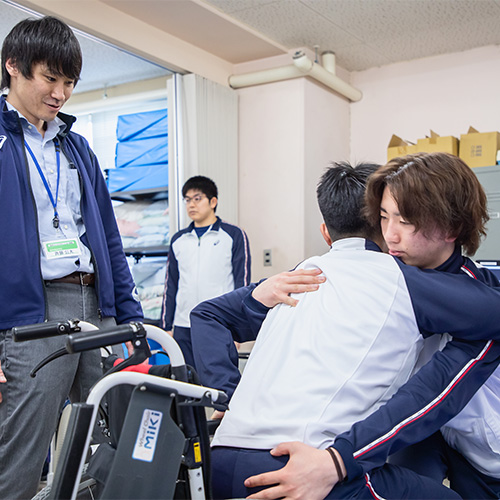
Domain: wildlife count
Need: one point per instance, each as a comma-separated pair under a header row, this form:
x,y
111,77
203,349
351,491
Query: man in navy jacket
x,y
62,256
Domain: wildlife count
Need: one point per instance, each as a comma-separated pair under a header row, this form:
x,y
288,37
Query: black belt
x,y
76,278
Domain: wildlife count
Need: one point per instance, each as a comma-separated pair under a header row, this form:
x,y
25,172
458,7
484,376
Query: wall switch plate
x,y
267,258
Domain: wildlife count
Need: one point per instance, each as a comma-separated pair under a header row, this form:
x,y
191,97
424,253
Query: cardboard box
x,y
399,147
479,149
438,144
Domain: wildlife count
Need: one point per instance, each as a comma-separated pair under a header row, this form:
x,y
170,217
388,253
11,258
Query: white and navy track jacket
x,y
441,302
201,268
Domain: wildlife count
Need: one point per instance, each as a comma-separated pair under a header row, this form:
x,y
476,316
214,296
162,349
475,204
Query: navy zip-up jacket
x,y
22,290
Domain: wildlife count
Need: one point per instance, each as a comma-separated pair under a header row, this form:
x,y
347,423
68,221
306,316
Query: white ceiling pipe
x,y
319,73
328,61
264,76
302,66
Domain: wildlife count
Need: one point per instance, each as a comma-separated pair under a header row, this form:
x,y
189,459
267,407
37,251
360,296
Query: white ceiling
x,y
362,33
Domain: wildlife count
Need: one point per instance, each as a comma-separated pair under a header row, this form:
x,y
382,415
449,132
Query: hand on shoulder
x,y
277,289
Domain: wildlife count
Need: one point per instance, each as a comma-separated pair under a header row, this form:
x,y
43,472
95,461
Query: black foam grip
x,y
40,330
85,341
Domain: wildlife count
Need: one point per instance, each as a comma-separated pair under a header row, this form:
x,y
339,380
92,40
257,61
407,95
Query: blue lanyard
x,y
55,220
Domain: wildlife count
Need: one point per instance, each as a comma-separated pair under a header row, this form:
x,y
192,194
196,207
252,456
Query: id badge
x,y
57,249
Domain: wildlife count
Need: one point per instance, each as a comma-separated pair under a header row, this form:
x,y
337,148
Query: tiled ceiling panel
x,y
367,33
294,24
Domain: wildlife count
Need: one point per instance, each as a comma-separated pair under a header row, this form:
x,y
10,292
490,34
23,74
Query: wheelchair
x,y
157,445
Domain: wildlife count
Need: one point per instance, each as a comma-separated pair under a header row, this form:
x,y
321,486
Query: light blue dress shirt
x,y
71,224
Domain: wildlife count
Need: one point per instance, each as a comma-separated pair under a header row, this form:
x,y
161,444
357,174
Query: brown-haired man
x,y
312,461
446,191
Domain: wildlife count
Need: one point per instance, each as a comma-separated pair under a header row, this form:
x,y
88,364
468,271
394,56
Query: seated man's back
x,y
317,366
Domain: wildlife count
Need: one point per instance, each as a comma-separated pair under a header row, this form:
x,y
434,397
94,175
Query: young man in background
x,y
207,259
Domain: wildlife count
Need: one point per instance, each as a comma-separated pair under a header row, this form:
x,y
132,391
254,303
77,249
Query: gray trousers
x,y
31,407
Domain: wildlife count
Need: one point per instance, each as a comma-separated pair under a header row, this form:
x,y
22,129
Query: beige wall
x,y
444,93
271,152
326,139
289,131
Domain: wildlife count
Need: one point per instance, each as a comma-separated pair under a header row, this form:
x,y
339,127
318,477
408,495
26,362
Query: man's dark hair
x,y
340,193
201,183
46,40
